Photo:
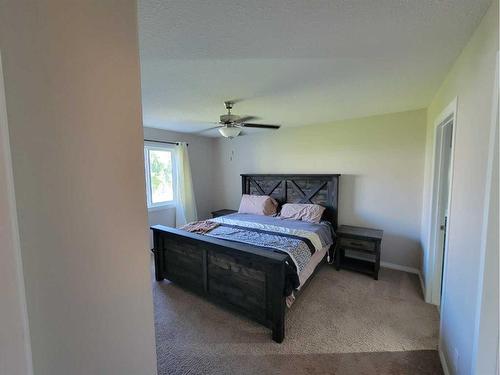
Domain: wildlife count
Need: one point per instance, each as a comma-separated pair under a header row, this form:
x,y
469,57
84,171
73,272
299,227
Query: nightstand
x,y
223,212
364,242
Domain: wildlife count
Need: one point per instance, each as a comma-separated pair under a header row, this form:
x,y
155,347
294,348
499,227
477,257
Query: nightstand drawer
x,y
357,244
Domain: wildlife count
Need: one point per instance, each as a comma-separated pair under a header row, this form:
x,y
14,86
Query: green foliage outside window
x,y
160,165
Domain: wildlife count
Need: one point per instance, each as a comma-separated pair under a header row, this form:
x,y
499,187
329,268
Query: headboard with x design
x,y
322,189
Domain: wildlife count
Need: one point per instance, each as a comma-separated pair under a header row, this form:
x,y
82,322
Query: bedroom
x,y
364,93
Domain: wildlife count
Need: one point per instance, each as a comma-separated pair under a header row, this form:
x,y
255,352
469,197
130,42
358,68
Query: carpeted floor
x,y
342,323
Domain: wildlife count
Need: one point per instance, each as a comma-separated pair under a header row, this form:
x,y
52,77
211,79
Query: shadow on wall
x,y
401,244
346,200
160,216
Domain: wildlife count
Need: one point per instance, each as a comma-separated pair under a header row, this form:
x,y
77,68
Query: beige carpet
x,y
342,323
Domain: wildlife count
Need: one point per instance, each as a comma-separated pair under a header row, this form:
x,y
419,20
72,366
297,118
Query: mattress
x,y
306,243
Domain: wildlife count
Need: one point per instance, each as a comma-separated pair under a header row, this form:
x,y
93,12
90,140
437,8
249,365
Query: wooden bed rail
x,y
244,278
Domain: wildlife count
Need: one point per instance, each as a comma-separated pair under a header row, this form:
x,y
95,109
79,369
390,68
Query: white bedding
x,y
310,235
311,266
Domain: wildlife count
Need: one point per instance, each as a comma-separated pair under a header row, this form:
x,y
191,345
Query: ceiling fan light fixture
x,y
230,132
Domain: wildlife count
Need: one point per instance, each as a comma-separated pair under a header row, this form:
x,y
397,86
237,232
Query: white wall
x,y
486,349
73,101
15,353
200,156
471,80
381,159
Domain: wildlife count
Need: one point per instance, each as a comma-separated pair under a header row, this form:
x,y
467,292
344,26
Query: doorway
x,y
443,175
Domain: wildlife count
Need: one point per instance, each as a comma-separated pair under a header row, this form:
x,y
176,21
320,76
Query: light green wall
x,y
471,81
72,84
381,159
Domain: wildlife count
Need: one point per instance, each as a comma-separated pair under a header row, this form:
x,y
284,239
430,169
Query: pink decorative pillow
x,y
305,212
258,205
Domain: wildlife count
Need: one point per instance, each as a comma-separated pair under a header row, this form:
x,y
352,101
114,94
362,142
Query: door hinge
x,y
443,226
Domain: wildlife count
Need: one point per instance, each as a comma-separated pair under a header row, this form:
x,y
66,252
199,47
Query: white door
x,y
444,195
443,170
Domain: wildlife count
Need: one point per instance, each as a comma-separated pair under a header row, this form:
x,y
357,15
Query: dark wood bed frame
x,y
245,278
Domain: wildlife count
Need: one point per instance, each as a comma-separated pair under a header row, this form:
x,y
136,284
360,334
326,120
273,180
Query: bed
x,y
247,278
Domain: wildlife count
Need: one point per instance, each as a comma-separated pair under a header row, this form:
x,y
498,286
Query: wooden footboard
x,y
245,278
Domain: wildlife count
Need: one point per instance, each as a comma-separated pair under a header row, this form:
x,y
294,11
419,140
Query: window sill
x,y
162,207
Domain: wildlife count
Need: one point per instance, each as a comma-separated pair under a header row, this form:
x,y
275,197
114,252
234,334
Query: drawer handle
x,y
359,244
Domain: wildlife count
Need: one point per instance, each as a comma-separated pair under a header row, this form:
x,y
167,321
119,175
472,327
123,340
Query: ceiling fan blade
x,y
246,118
261,126
212,128
236,100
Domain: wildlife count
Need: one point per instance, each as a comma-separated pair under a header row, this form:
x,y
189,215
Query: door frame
x,y
437,263
18,358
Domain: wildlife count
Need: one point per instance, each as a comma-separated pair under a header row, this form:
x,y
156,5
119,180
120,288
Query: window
x,y
160,175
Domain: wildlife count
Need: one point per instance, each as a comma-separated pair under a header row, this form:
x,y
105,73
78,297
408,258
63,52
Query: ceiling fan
x,y
230,125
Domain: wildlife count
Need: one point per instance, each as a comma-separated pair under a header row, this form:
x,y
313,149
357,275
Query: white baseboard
x,y
392,266
444,364
422,285
398,267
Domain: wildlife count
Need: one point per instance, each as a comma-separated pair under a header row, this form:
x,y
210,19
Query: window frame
x,y
147,170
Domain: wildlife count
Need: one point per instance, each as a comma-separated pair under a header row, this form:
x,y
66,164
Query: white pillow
x,y
305,212
258,205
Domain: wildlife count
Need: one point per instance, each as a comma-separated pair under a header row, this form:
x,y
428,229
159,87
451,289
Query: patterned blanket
x,y
299,249
201,227
300,240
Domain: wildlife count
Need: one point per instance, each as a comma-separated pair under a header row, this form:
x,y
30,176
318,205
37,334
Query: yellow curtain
x,y
186,202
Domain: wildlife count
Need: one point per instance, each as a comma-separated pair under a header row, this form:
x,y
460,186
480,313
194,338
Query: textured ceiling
x,y
296,62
